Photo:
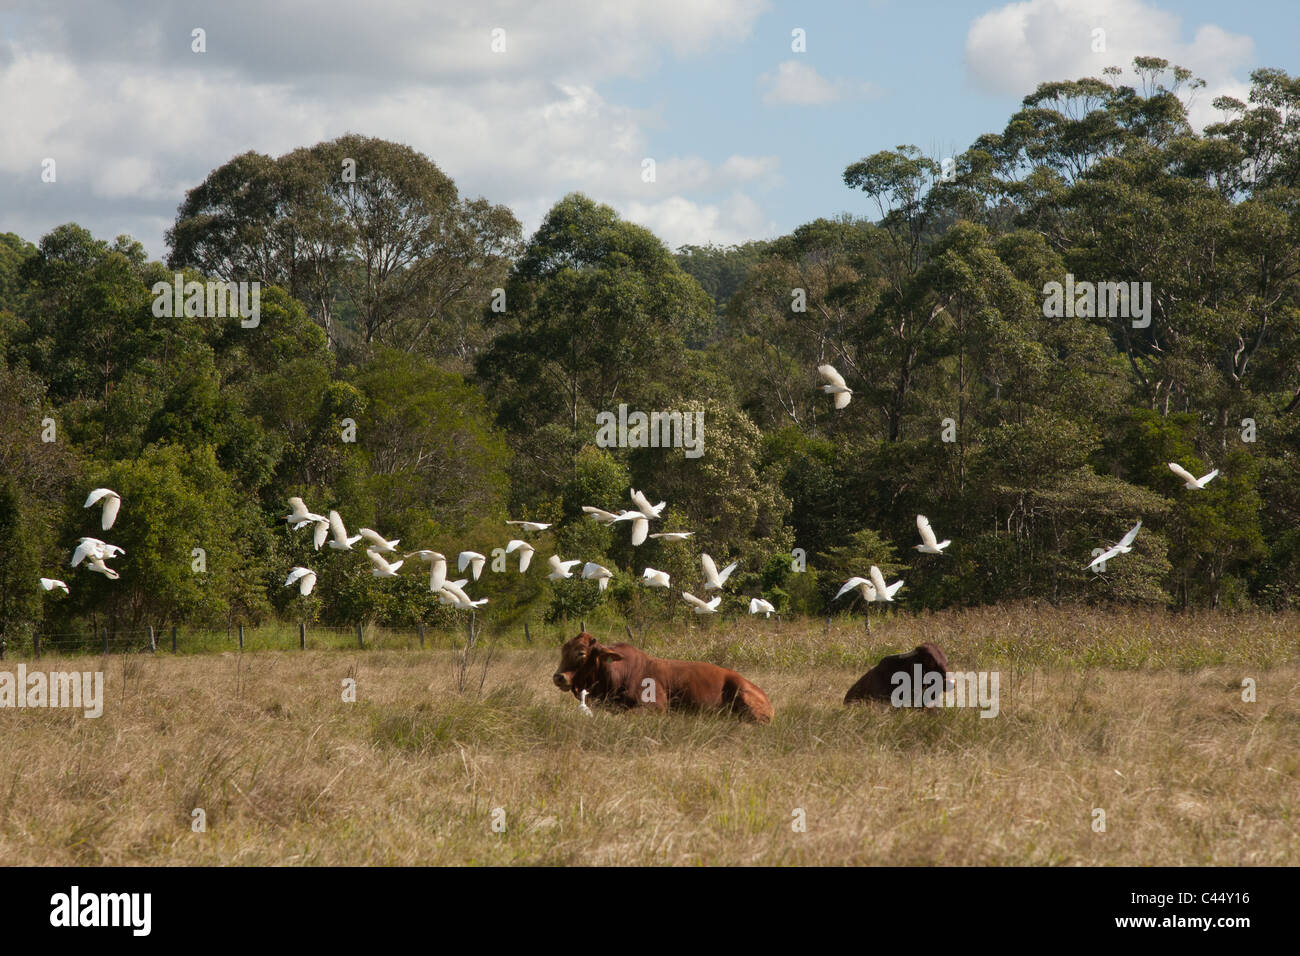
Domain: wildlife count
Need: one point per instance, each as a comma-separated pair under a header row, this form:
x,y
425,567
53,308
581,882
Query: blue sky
x,y
749,137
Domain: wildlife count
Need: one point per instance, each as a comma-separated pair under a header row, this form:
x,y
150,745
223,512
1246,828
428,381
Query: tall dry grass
x,y
1138,714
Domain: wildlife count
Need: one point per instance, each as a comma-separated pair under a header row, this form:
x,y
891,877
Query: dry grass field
x,y
1139,714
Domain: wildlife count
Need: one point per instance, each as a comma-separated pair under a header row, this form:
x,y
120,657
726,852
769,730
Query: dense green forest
x,y
429,371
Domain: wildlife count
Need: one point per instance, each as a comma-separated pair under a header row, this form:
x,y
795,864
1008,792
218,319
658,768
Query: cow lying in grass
x,y
878,683
623,676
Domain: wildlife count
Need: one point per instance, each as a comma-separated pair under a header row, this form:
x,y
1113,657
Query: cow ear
x,y
605,654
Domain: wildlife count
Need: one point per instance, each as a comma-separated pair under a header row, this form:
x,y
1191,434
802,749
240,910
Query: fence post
x,y
527,637
361,637
104,632
241,637
302,636
173,638
629,632
3,645
153,641
584,627
421,628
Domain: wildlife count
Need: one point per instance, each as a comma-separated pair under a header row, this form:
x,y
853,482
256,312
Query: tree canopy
x,y
422,368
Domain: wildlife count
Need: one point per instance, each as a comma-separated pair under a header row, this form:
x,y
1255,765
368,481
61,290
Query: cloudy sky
x,y
749,137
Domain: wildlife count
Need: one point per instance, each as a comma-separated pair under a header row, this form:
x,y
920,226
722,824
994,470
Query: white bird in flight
x,y
599,573
51,583
437,567
713,577
112,501
702,607
305,579
561,569
928,545
673,535
836,385
452,593
656,579
760,606
1191,480
1124,546
530,525
94,548
378,542
525,553
474,560
300,515
339,539
382,569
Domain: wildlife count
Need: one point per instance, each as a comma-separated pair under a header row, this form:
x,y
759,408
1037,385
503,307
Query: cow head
x,y
932,657
573,655
580,656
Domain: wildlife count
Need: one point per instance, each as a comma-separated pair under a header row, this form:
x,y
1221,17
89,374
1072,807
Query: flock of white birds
x,y
330,530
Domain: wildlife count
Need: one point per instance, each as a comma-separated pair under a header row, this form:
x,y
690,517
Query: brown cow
x,y
877,683
623,676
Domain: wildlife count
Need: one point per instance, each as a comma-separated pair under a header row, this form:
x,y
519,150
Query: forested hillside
x,y
425,368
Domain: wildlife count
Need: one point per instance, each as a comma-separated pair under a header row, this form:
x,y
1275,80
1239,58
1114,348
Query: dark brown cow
x,y
877,683
623,676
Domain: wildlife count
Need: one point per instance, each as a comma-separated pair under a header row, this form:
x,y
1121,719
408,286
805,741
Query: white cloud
x,y
1015,47
133,118
679,221
799,84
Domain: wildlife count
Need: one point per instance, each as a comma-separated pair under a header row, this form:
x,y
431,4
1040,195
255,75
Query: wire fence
x,y
273,637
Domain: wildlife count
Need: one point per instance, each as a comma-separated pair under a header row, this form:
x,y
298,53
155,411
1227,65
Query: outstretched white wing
x,y
379,541
927,533
382,568
832,376
1103,558
878,582
849,585
437,572
600,514
1128,538
643,505
710,572
338,531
